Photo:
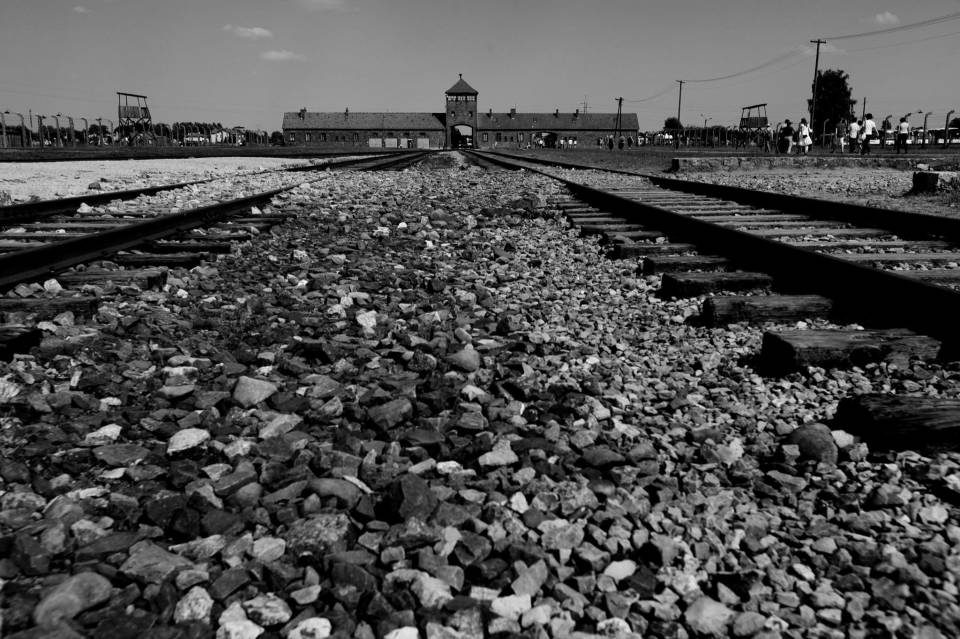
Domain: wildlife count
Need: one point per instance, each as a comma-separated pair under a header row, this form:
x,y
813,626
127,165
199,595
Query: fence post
x,y
946,129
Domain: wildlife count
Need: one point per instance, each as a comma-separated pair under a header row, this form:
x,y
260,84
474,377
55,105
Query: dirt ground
x,y
23,181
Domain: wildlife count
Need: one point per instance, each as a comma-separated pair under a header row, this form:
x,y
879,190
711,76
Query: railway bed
x,y
760,257
425,404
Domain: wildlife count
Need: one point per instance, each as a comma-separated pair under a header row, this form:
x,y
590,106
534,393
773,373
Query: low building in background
x,y
461,125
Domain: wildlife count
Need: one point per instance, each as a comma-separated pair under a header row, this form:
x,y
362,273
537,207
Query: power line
x,y
666,90
900,44
901,27
780,58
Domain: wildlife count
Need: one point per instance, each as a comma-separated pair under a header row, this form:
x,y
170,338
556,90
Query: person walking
x,y
805,141
766,134
853,136
869,132
785,139
903,132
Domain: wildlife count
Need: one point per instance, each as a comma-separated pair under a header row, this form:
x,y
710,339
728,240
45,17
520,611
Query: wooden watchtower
x,y
133,118
753,119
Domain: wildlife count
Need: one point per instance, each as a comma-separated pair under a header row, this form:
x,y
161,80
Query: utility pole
x,y
676,136
816,79
863,113
619,111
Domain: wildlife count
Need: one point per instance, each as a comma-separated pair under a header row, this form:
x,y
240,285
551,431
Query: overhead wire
x,y
901,27
780,58
668,89
900,44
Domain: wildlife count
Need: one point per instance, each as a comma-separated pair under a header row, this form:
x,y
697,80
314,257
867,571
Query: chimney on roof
x,y
513,112
346,113
556,113
490,113
576,113
303,113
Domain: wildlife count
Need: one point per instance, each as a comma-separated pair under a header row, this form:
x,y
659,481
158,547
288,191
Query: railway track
x,y
41,249
762,257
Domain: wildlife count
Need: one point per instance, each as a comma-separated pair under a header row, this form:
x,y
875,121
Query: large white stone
x,y
194,606
312,628
708,617
186,439
249,391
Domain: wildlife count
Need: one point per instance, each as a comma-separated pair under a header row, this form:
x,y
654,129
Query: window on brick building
x,y
307,137
293,137
323,137
356,138
486,138
497,138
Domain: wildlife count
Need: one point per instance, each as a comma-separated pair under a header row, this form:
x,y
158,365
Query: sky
x,y
245,62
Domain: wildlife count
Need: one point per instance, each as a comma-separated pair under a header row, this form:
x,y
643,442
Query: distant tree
x,y
672,123
955,123
276,138
834,101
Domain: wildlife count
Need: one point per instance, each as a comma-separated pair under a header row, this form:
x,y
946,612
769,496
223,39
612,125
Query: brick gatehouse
x,y
461,125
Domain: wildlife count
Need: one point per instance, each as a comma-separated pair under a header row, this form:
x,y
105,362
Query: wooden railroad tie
x,y
695,284
852,245
900,257
144,278
754,219
680,263
820,232
730,309
176,246
933,274
626,249
899,422
48,307
595,220
170,260
788,351
608,228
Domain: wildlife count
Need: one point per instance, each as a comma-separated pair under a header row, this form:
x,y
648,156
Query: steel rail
x,y
879,298
902,222
33,263
42,209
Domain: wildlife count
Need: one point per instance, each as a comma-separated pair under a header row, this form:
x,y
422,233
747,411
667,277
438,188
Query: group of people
x,y
788,137
860,133
858,136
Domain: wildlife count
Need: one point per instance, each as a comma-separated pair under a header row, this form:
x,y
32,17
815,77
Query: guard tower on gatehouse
x,y
461,110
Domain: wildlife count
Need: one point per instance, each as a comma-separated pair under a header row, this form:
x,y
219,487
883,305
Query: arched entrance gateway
x,y
461,137
461,115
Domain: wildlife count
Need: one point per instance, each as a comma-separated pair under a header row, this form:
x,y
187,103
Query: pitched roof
x,y
377,121
461,88
372,121
556,121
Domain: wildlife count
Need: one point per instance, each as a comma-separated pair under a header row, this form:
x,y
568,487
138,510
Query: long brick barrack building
x,y
460,125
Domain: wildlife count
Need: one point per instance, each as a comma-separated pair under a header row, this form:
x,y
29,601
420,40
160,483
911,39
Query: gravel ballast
x,y
425,407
